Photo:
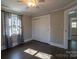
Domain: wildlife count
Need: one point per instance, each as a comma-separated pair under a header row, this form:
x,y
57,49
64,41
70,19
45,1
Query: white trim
x,y
57,45
26,40
58,9
66,25
71,4
51,43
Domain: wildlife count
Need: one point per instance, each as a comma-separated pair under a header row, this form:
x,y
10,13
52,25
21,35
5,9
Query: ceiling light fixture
x,y
31,3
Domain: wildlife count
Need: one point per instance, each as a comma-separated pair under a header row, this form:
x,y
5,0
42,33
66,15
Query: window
x,y
74,22
14,25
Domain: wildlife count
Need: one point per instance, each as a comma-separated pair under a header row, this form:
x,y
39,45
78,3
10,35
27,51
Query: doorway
x,y
70,22
72,30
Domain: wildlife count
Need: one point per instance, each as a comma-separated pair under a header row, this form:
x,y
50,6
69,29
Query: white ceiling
x,y
47,6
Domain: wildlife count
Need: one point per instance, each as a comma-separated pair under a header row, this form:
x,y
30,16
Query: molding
x,y
38,17
57,45
67,6
51,43
27,40
71,5
58,9
42,41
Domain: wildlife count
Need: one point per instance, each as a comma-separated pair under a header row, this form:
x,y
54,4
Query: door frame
x,y
66,25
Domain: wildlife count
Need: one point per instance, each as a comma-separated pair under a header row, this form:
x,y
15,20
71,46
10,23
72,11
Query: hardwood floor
x,y
40,51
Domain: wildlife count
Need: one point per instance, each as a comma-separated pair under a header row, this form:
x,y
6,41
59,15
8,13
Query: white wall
x,y
27,28
41,28
57,28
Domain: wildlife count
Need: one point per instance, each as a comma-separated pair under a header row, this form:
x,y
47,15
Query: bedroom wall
x,y
27,27
57,28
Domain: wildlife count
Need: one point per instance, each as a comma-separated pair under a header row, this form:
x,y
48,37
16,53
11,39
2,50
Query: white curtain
x,y
11,29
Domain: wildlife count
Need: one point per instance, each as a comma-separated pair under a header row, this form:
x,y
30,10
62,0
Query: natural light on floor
x,y
38,54
30,51
43,55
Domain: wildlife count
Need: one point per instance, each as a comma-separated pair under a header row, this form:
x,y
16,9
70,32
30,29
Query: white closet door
x,y
41,29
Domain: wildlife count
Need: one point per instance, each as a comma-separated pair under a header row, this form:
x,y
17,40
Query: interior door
x,y
72,34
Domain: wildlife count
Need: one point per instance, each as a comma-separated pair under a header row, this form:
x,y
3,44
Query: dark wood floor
x,y
18,51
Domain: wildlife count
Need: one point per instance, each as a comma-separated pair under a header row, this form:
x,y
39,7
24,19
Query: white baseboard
x,y
28,40
53,44
57,45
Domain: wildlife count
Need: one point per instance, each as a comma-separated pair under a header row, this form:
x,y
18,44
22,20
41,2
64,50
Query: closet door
x,y
41,29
